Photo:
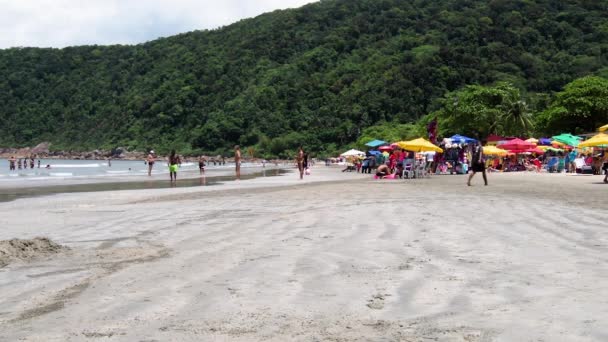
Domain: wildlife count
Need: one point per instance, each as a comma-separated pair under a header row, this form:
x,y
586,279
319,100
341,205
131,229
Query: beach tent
x,y
603,128
494,151
516,145
461,139
493,139
376,143
351,153
419,145
598,140
567,139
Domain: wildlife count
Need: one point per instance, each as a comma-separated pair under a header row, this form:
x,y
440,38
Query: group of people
x,y
14,163
174,161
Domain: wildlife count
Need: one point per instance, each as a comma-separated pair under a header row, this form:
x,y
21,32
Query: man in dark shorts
x,y
201,165
477,163
11,163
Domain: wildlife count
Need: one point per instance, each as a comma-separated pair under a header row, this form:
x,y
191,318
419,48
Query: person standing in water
x,y
11,163
478,164
300,161
201,165
174,163
38,163
150,160
237,161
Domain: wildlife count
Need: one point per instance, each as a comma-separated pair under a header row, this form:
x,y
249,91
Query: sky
x,y
60,23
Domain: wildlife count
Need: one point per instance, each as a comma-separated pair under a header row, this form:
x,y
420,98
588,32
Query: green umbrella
x,y
568,139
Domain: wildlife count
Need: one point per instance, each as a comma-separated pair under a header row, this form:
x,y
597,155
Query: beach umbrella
x,y
597,140
544,141
385,148
567,139
376,143
351,153
419,145
516,145
494,151
374,153
532,140
461,139
603,128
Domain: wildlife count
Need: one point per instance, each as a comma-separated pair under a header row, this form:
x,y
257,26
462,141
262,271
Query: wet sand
x,y
336,257
192,179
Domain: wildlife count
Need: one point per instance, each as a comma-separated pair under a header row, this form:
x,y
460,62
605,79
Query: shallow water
x,y
68,169
11,194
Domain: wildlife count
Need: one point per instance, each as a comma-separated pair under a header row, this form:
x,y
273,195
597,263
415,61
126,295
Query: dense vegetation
x,y
319,76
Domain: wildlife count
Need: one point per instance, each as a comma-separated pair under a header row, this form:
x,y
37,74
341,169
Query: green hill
x,y
317,75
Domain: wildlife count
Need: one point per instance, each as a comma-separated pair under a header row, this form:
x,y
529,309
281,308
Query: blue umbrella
x,y
374,153
544,141
461,139
376,143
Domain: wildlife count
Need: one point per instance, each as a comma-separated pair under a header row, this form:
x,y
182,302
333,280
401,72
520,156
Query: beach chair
x,y
408,169
552,165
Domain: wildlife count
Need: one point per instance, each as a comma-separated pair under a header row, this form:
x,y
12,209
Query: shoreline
x,y
336,256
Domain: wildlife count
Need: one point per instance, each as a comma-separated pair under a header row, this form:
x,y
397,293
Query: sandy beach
x,y
336,257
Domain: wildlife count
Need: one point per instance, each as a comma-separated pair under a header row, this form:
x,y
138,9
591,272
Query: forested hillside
x,y
317,75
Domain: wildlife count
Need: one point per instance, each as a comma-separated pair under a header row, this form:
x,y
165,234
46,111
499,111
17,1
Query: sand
x,y
336,257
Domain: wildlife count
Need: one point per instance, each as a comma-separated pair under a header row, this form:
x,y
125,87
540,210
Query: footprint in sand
x,y
377,301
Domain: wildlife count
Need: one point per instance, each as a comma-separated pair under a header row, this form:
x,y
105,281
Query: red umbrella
x,y
385,148
517,145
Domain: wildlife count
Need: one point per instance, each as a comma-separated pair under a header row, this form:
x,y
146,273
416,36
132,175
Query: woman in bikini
x,y
300,162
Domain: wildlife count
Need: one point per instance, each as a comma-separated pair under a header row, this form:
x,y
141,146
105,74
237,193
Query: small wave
x,y
69,166
61,174
118,172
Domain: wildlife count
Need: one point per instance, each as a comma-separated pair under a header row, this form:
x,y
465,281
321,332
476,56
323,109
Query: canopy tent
x,y
351,153
376,143
494,151
419,145
461,139
598,140
516,145
603,128
567,139
493,139
532,140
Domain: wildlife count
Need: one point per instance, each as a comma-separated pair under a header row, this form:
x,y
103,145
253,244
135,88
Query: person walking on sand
x,y
237,161
604,167
300,161
478,164
150,160
174,163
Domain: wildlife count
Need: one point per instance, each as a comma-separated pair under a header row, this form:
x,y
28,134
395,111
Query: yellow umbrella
x,y
603,128
419,145
532,140
557,143
598,140
494,151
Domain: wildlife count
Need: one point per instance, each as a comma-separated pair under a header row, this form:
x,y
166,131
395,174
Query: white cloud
x,y
60,23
